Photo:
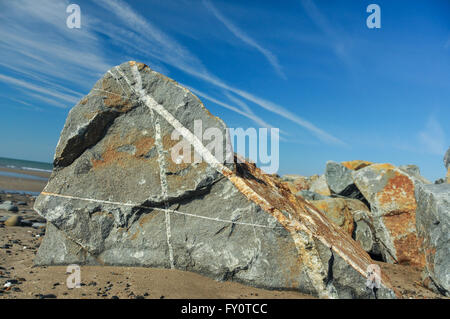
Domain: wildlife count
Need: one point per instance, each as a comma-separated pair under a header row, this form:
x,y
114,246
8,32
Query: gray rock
x,y
365,233
340,181
447,159
116,197
309,195
414,171
8,206
338,177
433,227
21,203
26,223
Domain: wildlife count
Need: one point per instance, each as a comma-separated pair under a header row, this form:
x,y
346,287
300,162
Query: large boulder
x,y
390,192
117,197
433,227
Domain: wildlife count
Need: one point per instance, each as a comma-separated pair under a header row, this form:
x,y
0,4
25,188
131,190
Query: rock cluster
x,y
116,197
376,204
399,215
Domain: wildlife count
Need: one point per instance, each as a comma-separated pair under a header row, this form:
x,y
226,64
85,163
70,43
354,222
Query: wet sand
x,y
21,183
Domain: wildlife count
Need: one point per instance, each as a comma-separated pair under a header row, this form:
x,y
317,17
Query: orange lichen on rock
x,y
115,96
337,210
112,155
391,194
356,164
398,193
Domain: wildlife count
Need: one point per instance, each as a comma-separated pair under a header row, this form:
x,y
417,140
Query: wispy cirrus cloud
x,y
37,88
54,64
147,40
42,57
240,34
336,39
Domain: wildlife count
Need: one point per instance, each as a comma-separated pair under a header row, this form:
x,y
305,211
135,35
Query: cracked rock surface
x,y
116,197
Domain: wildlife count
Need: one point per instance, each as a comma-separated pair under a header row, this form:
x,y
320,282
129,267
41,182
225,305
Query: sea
x,y
26,166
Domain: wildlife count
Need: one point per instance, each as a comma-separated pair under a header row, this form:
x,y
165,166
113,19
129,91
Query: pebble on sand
x,y
13,221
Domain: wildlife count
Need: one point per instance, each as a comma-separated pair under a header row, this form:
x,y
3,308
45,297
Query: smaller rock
x,y
38,225
26,223
8,206
47,296
338,177
309,195
337,210
447,159
414,172
21,203
13,221
365,232
320,186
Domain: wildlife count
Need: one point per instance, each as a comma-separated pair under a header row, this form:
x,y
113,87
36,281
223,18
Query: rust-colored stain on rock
x,y
398,203
356,164
399,191
338,212
112,156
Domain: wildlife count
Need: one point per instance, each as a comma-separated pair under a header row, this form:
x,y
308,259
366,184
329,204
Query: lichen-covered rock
x,y
433,227
390,193
356,164
338,211
298,183
320,186
307,194
116,197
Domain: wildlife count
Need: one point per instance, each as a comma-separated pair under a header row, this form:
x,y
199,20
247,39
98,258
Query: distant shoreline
x,y
20,184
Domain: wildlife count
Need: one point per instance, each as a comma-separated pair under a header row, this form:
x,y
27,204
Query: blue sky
x,y
336,89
